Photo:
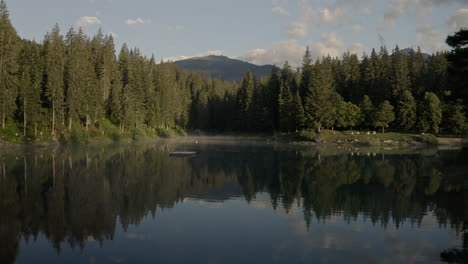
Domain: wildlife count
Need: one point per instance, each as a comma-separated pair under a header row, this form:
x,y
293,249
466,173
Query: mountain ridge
x,y
222,67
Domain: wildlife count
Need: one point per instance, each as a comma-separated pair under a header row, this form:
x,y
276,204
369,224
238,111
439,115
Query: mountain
x,y
410,51
223,67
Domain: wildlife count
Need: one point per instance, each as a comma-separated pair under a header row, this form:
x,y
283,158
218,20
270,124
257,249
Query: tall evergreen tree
x,y
406,111
245,100
368,111
318,103
430,113
400,78
9,48
30,74
54,49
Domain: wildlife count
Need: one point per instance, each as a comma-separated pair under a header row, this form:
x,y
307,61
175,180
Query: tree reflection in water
x,y
72,194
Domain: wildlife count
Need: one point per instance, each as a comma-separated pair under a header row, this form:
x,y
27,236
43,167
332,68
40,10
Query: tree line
x,y
71,84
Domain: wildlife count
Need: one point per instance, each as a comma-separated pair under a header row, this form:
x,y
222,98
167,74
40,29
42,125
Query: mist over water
x,y
237,201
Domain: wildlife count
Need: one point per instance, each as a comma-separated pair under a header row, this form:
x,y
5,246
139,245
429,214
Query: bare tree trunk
x,y
87,122
3,120
383,130
24,117
53,117
69,123
35,129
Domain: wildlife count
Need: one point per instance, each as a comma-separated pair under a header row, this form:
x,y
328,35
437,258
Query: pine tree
x,y
30,73
9,43
54,49
286,100
400,78
406,111
368,111
307,74
384,115
245,100
430,113
318,103
298,112
273,91
455,118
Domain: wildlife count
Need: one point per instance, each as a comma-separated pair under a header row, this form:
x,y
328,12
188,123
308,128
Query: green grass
x,y
103,130
378,139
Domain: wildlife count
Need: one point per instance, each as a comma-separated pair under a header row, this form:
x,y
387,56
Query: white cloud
x,y
298,29
332,16
429,39
292,51
203,54
280,11
398,8
88,20
330,45
289,50
459,19
137,21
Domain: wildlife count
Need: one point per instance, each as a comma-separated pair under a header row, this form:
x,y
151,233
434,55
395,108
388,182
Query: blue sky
x,y
259,31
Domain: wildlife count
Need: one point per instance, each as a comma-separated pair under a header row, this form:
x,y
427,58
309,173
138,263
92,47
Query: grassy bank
x,y
359,138
102,132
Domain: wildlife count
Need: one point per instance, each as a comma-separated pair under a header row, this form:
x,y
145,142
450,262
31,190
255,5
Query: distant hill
x,y
409,51
223,67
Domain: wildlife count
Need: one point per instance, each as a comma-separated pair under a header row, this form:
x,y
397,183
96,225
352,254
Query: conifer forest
x,y
70,85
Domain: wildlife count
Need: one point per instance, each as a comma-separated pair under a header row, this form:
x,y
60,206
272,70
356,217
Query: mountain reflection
x,y
75,194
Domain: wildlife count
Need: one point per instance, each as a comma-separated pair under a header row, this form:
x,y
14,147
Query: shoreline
x,y
336,139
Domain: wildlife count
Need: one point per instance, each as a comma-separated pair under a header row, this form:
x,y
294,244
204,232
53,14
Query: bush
x,y
306,135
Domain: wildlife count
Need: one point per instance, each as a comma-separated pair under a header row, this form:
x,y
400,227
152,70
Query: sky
x,y
257,31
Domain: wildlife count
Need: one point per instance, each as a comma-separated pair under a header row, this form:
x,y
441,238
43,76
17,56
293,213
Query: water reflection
x,y
72,196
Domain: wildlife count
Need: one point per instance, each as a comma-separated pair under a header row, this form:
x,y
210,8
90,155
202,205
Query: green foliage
x,y
384,115
406,111
76,88
430,113
455,118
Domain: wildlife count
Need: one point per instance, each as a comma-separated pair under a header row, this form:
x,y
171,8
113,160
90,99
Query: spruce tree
x,y
54,49
307,74
30,77
406,111
430,113
245,100
368,111
318,103
400,78
9,48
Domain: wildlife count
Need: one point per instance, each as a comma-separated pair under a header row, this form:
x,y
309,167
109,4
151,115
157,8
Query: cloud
x,y
398,8
292,51
330,45
137,21
88,20
203,54
280,11
459,19
429,39
114,35
329,16
289,50
298,29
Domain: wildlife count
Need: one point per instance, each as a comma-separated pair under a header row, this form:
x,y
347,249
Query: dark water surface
x,y
235,202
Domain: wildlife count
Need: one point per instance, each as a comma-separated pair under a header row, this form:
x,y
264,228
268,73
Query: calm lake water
x,y
236,202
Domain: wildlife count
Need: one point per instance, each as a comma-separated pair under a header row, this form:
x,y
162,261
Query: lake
x,y
238,201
